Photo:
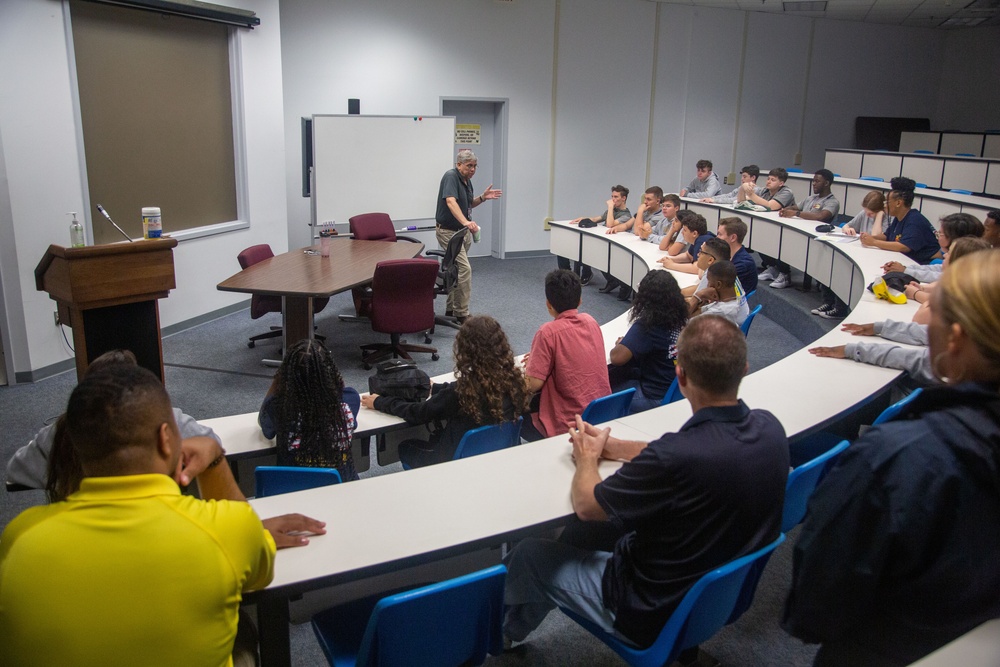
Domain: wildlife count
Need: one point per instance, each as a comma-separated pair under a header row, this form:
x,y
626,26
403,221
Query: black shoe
x,y
610,287
449,313
585,280
461,319
834,314
625,293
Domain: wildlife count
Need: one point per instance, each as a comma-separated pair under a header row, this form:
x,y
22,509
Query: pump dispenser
x,y
76,235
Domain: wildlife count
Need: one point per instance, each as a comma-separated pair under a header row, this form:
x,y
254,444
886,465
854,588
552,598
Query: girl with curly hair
x,y
310,412
644,357
489,388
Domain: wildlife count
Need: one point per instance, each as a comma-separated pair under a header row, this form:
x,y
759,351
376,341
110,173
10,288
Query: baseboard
x,y
527,254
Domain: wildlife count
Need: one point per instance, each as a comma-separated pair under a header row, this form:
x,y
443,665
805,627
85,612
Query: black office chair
x,y
448,274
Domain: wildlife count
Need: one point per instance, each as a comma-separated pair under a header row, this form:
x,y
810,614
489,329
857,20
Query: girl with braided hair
x,y
489,388
310,412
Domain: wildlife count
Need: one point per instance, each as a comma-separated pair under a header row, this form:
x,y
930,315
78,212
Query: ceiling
x,y
924,13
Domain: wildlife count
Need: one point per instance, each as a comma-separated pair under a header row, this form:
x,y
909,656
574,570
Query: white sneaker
x,y
769,273
782,281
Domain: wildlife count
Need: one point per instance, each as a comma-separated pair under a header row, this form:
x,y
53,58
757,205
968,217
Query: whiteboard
x,y
379,163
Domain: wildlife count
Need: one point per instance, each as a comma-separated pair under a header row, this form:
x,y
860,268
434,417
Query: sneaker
x,y
826,307
770,273
833,314
585,280
882,291
782,281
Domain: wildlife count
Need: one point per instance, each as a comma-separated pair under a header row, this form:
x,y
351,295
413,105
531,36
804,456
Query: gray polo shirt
x,y
815,204
783,196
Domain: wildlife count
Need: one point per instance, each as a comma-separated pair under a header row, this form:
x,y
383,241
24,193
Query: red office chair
x,y
262,304
370,227
402,303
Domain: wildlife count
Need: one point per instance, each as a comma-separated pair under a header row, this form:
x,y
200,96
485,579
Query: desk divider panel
x,y
639,271
839,191
846,164
993,179
851,205
926,170
710,213
795,248
857,287
964,175
978,211
991,147
565,243
821,260
800,187
934,209
841,278
621,263
595,252
885,166
953,143
766,237
910,142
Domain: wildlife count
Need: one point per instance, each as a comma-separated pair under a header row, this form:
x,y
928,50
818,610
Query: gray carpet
x,y
210,372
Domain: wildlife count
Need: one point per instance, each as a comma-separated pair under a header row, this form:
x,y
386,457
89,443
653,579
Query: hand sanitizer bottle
x,y
76,236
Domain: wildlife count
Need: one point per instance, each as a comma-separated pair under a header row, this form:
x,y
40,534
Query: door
x,y
484,134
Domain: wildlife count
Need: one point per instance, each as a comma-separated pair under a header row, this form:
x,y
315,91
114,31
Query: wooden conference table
x,y
382,524
299,276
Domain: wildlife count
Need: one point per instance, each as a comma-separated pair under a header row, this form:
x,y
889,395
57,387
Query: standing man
x,y
748,174
733,231
705,184
454,208
616,213
775,197
910,232
683,505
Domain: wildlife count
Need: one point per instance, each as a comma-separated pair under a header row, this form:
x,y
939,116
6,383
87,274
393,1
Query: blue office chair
x,y
920,185
923,151
745,327
455,622
872,178
673,393
893,410
936,261
707,607
966,155
794,170
275,480
606,408
802,482
486,439
961,192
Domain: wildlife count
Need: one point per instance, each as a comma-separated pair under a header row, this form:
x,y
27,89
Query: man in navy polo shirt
x,y
910,232
682,505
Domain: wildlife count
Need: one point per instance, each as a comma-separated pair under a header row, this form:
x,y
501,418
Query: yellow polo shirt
x,y
127,571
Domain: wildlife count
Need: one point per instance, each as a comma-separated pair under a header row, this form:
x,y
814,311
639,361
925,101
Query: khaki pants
x,y
458,298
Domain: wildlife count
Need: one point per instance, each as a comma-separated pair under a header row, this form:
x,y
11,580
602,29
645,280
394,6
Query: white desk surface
x,y
976,648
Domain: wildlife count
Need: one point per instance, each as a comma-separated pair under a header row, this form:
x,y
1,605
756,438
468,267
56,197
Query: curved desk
x,y
386,523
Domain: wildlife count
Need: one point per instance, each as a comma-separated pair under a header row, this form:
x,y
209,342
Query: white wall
x,y
42,161
968,96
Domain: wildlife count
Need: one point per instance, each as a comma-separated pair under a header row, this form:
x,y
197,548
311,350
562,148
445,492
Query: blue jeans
x,y
543,574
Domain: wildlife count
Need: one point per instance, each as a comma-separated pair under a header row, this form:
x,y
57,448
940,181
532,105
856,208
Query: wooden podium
x,y
107,294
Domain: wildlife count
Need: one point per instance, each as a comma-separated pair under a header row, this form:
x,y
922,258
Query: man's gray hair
x,y
465,155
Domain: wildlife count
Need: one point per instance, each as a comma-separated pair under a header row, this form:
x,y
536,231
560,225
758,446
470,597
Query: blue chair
x,y
802,482
455,622
920,185
705,609
486,439
961,192
923,151
745,327
794,170
275,480
606,408
673,393
936,261
893,410
966,155
872,178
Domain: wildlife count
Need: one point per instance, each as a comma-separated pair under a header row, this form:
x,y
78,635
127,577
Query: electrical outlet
x,y
731,178
798,159
545,223
55,317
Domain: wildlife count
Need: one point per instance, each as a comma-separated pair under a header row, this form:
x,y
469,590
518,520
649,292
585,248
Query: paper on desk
x,y
839,238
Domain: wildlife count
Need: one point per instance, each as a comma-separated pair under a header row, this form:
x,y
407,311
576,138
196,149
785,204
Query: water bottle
x,y
76,236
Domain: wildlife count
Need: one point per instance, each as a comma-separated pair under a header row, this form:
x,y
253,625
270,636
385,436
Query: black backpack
x,y
400,378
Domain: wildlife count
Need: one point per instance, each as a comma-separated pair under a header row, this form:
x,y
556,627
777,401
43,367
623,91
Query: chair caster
x,y
366,366
427,340
250,344
435,356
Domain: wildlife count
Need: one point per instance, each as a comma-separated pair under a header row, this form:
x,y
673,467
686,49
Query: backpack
x,y
400,378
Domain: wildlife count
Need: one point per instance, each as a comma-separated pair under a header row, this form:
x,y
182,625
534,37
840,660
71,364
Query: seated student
x,y
694,229
126,570
897,555
776,196
310,412
705,184
910,232
644,357
870,218
921,292
683,504
721,296
748,174
733,231
915,361
712,251
669,209
991,224
566,362
616,213
672,241
30,464
952,227
489,388
650,214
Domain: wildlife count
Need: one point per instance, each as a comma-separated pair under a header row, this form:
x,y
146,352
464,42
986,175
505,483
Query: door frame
x,y
500,105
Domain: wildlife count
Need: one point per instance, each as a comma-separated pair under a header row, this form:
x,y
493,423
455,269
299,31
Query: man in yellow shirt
x,y
127,571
